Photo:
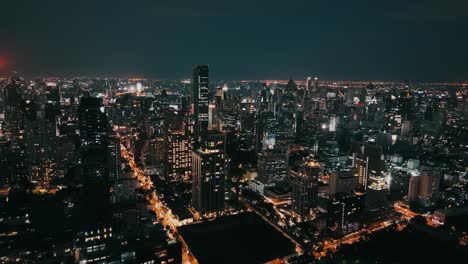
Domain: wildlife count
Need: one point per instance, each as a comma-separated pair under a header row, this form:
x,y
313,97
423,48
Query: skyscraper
x,y
376,166
97,156
304,181
344,213
200,85
209,173
93,140
424,187
34,129
360,163
14,126
155,155
370,166
272,166
309,87
377,184
413,189
40,143
316,85
179,159
51,116
429,185
343,181
113,158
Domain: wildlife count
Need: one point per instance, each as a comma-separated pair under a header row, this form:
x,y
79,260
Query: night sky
x,y
239,39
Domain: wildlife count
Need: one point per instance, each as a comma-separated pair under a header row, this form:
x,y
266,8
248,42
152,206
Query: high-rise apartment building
x,y
424,187
179,156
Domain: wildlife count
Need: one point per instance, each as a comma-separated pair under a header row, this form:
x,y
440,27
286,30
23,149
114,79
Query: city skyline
x,y
143,171
222,132
419,40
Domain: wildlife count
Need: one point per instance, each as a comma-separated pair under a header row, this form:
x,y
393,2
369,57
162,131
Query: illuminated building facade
x,y
209,174
113,158
272,166
40,143
93,127
14,126
179,158
360,164
200,84
343,181
424,187
344,213
154,155
304,181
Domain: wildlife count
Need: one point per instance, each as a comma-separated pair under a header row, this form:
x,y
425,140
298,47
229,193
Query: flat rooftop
x,y
244,238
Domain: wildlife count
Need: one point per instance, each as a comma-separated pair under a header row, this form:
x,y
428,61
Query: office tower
x,y
304,181
376,166
14,126
264,99
349,96
200,85
284,136
429,187
5,165
343,181
209,173
96,245
179,156
360,164
92,208
247,122
377,184
214,118
344,213
272,166
49,137
316,84
33,140
65,154
154,156
13,111
228,115
406,128
334,121
93,128
113,158
413,189
370,165
40,144
308,87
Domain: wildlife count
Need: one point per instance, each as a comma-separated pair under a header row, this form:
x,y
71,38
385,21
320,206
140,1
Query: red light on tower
x,y
3,62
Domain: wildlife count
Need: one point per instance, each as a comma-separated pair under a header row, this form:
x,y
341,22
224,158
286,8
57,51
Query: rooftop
x,y
243,238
